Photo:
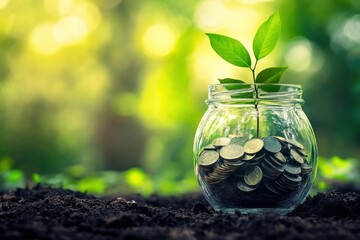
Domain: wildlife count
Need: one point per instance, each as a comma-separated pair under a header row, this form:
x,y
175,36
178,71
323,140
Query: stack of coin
x,y
290,180
275,163
230,160
306,169
220,173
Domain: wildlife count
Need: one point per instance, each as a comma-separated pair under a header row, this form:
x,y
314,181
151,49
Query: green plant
x,y
234,52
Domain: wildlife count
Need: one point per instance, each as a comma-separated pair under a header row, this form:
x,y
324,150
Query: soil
x,y
46,213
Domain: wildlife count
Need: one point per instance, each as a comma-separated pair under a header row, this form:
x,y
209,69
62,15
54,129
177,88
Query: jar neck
x,y
262,94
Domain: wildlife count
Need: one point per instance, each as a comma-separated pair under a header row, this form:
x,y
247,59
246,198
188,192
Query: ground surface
x,y
43,213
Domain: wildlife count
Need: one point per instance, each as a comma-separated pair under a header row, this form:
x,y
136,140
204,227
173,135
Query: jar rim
x,y
258,84
255,93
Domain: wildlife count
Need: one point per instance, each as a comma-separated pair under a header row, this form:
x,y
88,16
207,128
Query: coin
x,y
273,164
252,163
224,171
260,155
208,158
279,156
282,139
237,163
221,141
238,140
271,187
292,169
287,184
296,156
253,146
217,176
273,161
248,157
213,180
302,152
271,144
306,169
296,178
296,144
269,168
270,175
280,187
253,176
232,152
210,147
244,187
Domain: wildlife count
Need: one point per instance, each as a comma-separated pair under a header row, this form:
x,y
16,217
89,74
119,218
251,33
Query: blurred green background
x,y
105,96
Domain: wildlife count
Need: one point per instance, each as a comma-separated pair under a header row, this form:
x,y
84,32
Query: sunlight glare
x,y
42,41
298,56
158,40
352,29
89,13
211,15
3,3
58,7
70,30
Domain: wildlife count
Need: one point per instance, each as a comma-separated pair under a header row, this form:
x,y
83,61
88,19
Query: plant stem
x,y
256,102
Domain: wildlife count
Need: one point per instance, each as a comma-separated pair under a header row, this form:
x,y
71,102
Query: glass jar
x,y
255,150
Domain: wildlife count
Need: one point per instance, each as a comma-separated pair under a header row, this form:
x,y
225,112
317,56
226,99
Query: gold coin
x,y
232,152
248,157
272,145
279,156
296,144
306,169
244,187
292,169
221,141
210,147
253,146
208,158
296,156
238,140
253,176
301,151
281,138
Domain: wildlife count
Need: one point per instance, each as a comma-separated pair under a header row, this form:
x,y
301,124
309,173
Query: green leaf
x,y
36,178
236,84
270,75
91,185
267,36
232,84
230,49
230,80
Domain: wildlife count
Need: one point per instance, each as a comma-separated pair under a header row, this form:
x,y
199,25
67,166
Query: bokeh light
x,y
70,30
3,3
211,15
302,55
43,40
158,40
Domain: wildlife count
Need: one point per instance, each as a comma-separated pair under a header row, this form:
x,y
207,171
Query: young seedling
x,y
234,52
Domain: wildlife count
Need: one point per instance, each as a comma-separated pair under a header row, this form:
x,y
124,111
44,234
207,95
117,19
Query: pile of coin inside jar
x,y
273,162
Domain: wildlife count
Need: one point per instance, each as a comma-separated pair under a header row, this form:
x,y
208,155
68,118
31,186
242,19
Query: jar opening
x,y
259,93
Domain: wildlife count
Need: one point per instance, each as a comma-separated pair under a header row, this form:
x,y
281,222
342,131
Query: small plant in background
x,y
332,173
337,173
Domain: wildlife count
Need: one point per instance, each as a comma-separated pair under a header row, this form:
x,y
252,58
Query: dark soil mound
x,y
45,213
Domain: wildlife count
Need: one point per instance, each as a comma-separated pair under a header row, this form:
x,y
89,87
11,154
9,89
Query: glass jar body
x,y
260,175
